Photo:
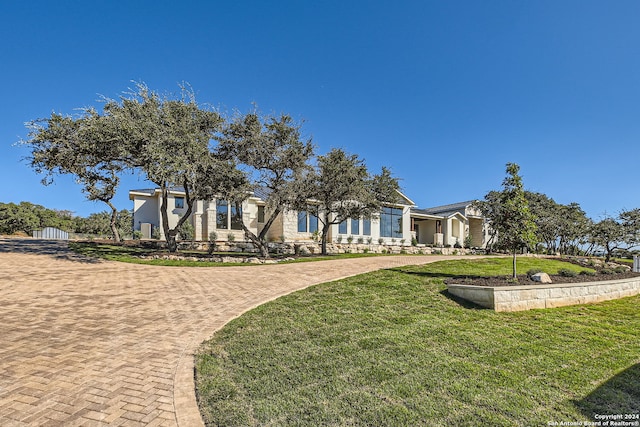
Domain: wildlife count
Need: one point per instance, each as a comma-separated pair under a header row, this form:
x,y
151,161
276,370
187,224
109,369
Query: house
x,y
397,223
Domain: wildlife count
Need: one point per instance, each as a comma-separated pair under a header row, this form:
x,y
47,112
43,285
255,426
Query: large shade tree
x,y
341,187
509,215
274,157
168,139
83,147
561,228
615,233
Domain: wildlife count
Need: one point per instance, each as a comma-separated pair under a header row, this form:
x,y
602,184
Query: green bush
x,y
620,269
339,239
231,237
349,239
606,271
565,272
414,241
588,273
360,240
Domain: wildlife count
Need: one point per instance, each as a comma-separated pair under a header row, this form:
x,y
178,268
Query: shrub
x,y
365,251
137,235
384,251
403,251
606,271
349,239
468,241
369,240
360,240
282,238
231,237
213,236
380,241
620,269
155,233
588,273
457,244
437,252
402,242
339,239
565,272
393,240
414,241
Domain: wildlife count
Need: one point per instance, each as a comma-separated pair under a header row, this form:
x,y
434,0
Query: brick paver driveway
x,y
87,342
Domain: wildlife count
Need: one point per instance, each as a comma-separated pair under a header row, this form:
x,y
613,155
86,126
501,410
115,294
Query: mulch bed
x,y
524,280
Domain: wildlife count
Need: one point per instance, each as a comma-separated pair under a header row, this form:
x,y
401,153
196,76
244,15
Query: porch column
x,y
197,221
446,230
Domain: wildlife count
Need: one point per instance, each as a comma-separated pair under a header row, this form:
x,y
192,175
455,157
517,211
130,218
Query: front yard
x,y
392,348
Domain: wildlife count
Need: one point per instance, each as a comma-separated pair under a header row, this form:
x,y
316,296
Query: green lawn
x,y
391,348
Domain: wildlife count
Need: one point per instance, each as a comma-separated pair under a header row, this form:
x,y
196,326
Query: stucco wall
x,y
145,211
519,298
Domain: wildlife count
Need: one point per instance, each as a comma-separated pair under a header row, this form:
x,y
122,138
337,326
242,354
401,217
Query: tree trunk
x,y
113,222
172,243
325,233
515,275
260,240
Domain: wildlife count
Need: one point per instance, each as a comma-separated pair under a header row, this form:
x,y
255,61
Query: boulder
x,y
541,278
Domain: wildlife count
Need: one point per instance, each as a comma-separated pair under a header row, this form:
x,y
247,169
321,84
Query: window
x,y
342,227
313,223
366,227
307,222
222,214
261,214
355,226
391,222
236,217
302,221
179,202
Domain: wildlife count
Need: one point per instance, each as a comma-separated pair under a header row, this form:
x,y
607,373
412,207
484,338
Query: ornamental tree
x,y
509,216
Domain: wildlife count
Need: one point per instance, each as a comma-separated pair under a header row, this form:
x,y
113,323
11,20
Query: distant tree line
x,y
523,219
174,142
25,217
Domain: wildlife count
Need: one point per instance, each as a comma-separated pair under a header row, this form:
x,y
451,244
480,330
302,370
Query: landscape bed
x,y
518,298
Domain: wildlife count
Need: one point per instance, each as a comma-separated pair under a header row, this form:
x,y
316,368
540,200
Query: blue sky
x,y
442,92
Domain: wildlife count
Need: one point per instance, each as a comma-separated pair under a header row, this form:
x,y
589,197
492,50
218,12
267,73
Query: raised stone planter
x,y
519,298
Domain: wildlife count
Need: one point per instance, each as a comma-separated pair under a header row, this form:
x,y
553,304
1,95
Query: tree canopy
x,y
341,187
509,215
275,158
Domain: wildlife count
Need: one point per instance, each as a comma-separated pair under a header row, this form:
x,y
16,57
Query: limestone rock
x,y
541,278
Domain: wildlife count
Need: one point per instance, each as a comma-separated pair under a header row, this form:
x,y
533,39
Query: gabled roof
x,y
406,199
445,209
150,192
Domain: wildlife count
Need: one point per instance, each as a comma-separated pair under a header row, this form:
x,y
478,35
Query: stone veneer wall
x,y
519,298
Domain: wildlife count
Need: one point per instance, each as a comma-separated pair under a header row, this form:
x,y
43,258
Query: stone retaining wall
x,y
313,248
519,298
